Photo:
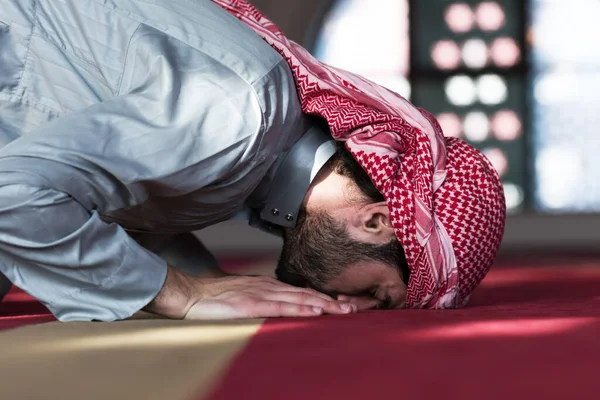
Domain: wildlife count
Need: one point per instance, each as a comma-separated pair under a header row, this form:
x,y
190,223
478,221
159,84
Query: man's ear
x,y
372,223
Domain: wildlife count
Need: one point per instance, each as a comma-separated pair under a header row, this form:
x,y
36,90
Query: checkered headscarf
x,y
445,199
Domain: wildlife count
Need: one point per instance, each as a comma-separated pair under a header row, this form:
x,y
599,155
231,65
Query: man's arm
x,y
191,291
175,127
164,135
60,252
83,268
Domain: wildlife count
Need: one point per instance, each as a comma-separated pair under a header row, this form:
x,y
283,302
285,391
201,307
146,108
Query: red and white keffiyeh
x,y
445,199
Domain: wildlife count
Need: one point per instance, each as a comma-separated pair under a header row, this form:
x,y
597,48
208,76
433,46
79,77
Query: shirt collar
x,y
276,202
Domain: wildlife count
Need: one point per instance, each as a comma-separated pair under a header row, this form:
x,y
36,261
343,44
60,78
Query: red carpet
x,y
19,309
531,331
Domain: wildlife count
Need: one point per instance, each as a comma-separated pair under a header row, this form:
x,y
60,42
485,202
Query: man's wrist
x,y
176,297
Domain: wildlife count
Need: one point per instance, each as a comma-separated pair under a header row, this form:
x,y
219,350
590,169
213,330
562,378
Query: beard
x,y
320,248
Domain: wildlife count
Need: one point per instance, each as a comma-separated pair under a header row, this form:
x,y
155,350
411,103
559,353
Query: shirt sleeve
x,y
151,139
78,266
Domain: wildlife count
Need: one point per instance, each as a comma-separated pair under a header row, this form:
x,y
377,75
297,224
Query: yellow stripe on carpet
x,y
129,360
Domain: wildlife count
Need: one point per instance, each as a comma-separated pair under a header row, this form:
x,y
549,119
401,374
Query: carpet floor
x,y
531,330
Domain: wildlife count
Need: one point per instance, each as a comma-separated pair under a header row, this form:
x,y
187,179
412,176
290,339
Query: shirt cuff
x,y
135,284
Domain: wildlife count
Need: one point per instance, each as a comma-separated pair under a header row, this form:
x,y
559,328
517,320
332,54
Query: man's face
x,y
344,248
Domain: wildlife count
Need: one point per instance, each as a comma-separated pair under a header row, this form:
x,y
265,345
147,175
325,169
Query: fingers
x,y
267,309
305,296
278,285
260,297
360,302
213,310
308,299
269,304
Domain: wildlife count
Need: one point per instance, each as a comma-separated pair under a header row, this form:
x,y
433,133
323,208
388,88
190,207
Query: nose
x,y
396,296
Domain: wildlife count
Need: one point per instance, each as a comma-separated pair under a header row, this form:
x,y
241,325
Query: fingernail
x,y
317,310
346,307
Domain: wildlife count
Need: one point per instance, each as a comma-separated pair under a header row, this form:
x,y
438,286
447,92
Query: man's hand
x,y
236,297
259,297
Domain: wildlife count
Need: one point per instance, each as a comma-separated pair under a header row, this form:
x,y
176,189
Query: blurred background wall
x,y
518,79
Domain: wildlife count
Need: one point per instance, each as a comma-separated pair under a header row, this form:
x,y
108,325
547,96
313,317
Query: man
x,y
128,119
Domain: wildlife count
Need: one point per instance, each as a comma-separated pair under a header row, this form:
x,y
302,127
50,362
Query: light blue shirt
x,y
155,116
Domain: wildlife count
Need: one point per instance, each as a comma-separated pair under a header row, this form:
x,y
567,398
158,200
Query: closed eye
x,y
386,303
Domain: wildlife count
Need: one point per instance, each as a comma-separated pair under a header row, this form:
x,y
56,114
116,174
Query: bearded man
x,y
124,123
